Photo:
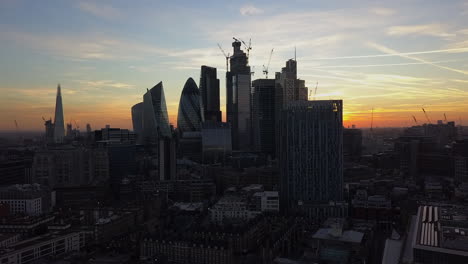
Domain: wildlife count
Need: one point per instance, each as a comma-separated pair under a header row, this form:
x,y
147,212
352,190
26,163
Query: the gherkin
x,y
190,116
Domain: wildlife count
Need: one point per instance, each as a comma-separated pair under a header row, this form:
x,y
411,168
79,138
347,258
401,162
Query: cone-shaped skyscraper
x,y
59,128
190,116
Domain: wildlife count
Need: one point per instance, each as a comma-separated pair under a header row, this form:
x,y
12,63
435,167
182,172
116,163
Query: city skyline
x,y
106,56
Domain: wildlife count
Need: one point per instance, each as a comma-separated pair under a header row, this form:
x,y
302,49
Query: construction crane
x,y
76,125
247,47
265,69
427,117
226,56
315,91
414,118
17,127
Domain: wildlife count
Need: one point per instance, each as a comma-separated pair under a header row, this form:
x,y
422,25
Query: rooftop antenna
x,y
445,116
372,120
295,53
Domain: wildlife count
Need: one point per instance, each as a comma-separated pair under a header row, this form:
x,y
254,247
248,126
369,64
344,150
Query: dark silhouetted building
x,y
137,121
238,97
216,142
155,117
190,117
263,115
59,126
209,90
352,143
311,155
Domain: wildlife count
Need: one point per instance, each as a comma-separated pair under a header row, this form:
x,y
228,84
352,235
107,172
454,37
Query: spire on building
x,y
59,128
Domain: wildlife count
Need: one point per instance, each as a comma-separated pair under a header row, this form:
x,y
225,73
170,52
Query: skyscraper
x,y
288,87
59,127
263,116
238,98
190,116
209,90
137,121
155,117
311,154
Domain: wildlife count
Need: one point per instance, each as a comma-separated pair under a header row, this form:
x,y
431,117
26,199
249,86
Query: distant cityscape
x,y
280,181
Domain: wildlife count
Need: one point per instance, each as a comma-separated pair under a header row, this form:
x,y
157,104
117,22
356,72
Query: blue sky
x,y
393,56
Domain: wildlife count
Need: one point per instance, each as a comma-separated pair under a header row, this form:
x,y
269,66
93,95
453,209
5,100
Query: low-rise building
x,y
440,235
42,247
28,199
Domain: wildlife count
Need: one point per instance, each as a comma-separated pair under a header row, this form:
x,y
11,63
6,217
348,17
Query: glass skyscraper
x,y
155,117
238,95
190,116
263,116
137,121
59,126
209,90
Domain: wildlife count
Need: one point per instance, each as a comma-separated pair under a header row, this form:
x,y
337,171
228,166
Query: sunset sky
x,y
393,56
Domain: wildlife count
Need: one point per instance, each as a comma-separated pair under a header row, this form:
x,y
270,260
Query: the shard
x,y
59,128
190,116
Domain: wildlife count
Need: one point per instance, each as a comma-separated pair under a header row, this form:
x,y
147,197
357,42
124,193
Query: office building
x,y
263,116
64,166
216,142
311,154
137,121
190,116
59,124
13,171
238,97
115,135
48,246
352,143
288,87
28,199
438,235
209,90
155,117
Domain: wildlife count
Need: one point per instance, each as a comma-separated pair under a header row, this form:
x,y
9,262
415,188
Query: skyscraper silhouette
x,y
155,117
190,116
209,90
263,116
311,154
59,127
137,121
238,98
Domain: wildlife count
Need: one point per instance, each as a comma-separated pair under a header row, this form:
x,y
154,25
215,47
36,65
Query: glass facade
x,y
190,116
155,117
311,153
137,120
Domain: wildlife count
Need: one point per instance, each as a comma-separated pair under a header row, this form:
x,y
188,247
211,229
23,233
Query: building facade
x,y
137,121
311,154
190,115
216,142
238,95
59,124
155,117
209,90
263,116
